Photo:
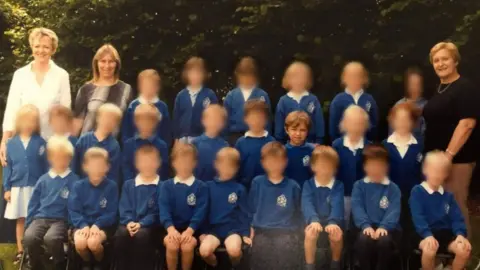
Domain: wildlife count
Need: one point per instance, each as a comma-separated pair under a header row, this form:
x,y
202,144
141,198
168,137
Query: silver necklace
x,y
440,90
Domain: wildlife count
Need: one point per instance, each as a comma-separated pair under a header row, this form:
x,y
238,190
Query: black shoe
x,y
86,266
97,266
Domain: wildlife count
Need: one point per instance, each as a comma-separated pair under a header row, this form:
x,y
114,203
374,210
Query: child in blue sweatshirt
x,y
299,151
209,143
350,150
92,206
376,211
146,120
60,120
354,78
137,234
149,84
322,206
108,118
183,204
228,219
26,162
250,145
47,218
246,74
275,206
191,101
298,81
437,217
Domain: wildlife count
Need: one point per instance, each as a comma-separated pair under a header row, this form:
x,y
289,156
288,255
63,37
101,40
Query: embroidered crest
x,y
191,199
151,203
64,193
41,150
447,208
206,102
232,198
310,107
384,202
282,201
328,199
262,98
103,202
419,157
306,160
368,106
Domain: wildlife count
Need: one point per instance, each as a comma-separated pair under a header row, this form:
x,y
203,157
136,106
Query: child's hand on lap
x,y
130,227
370,232
85,232
187,235
463,243
431,242
136,227
94,231
174,234
7,196
333,229
316,227
380,232
247,240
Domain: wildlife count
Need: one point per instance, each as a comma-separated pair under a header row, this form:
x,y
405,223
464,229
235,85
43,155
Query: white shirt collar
x,y
298,96
385,181
244,89
430,191
143,100
192,91
347,143
356,96
140,182
329,185
249,134
189,181
394,139
52,174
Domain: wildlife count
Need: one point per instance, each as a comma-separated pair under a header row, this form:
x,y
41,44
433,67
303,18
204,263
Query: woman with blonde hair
x,y
105,87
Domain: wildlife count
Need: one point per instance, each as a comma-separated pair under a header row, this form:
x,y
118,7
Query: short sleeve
x,y
467,101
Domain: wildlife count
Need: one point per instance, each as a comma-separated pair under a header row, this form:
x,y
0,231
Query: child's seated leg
x,y
172,246
81,245
54,240
207,248
336,245
188,248
385,247
364,250
121,247
233,244
462,254
143,249
33,240
429,248
310,244
95,244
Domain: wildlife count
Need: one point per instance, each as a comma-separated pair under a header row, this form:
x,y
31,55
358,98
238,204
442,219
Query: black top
x,y
449,105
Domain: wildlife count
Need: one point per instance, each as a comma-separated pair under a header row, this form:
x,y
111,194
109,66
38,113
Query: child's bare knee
x,y
171,246
311,236
189,246
94,244
335,238
205,250
429,253
81,244
234,251
463,254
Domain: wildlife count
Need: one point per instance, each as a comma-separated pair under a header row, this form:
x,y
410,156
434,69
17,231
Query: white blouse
x,y
24,89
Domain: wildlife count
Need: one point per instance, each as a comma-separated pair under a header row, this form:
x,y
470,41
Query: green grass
x,y
7,253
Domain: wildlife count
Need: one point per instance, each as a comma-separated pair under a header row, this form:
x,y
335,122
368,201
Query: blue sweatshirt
x,y
207,149
250,155
435,210
187,117
234,104
376,205
310,105
131,146
50,196
24,166
228,213
298,167
164,130
350,168
341,102
323,204
275,206
183,205
110,144
138,202
406,172
90,205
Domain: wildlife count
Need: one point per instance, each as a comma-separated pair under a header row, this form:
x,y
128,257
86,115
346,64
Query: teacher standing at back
x,y
41,83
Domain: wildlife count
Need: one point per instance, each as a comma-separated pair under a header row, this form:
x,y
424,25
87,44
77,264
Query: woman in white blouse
x,y
41,83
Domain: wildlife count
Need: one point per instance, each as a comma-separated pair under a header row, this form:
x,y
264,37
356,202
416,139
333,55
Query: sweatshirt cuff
x,y
461,232
314,219
167,224
194,226
427,234
366,225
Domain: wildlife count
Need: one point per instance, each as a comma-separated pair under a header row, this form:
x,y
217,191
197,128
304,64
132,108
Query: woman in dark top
x,y
105,87
451,117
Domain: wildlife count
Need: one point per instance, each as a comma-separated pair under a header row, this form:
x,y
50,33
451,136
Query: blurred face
x,y
195,77
354,77
184,165
107,122
213,122
256,121
226,168
147,163
376,170
323,169
274,165
298,79
96,168
146,125
402,123
415,86
42,49
435,173
355,125
444,64
28,124
247,81
297,134
149,88
60,125
59,160
106,66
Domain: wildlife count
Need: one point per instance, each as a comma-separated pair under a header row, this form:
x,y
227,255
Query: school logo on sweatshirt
x,y
103,202
232,198
41,150
262,98
419,157
151,203
311,107
447,208
368,106
282,201
384,202
206,102
328,199
306,160
191,199
64,193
